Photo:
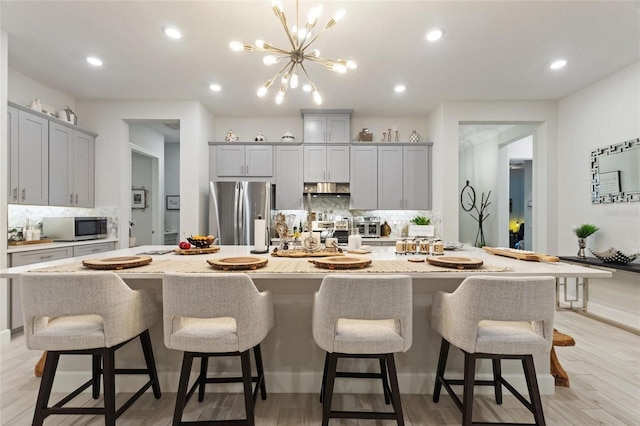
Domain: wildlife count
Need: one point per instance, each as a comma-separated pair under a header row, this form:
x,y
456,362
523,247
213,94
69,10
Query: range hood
x,y
326,189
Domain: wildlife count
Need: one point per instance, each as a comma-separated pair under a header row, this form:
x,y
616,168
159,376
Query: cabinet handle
x,y
95,250
76,199
46,257
15,194
329,175
241,170
24,194
247,170
70,198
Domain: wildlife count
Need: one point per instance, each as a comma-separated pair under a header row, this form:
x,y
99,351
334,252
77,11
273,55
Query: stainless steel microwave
x,y
74,228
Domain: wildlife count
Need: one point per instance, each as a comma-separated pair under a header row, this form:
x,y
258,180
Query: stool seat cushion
x,y
205,335
357,336
70,333
509,338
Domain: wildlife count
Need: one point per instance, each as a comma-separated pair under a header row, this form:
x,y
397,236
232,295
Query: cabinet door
x,y
363,178
83,170
338,128
13,145
33,159
60,165
315,128
390,195
289,182
417,178
258,160
89,249
315,161
338,163
230,161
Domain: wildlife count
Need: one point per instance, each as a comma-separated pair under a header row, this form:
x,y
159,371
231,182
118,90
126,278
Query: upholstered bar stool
x,y
214,315
87,314
363,316
494,318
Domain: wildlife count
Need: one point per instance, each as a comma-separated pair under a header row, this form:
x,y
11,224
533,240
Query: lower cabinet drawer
x,y
37,256
92,249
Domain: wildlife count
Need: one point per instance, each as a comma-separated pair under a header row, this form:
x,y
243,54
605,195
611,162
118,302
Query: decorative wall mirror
x,y
615,173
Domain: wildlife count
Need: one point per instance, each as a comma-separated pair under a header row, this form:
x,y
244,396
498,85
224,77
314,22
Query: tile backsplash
x,y
19,214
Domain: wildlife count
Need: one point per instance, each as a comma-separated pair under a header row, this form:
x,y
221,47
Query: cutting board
x,y
521,254
341,262
195,250
455,262
122,262
241,263
23,243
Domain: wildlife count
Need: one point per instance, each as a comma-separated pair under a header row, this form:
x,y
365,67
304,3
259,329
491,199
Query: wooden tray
x,y
341,262
455,262
195,250
521,254
302,253
24,243
117,262
238,263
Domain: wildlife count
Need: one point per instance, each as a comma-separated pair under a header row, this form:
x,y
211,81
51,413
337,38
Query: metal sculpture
x,y
480,210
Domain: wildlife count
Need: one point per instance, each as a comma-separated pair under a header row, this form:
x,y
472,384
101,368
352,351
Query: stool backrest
x,y
125,312
456,315
365,297
231,295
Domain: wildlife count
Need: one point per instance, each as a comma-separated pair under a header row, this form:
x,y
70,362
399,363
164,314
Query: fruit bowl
x,y
200,241
613,255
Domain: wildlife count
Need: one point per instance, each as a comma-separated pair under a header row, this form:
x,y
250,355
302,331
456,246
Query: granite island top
x,y
384,260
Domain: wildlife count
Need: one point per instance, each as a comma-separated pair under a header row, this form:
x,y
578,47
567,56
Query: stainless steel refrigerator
x,y
233,207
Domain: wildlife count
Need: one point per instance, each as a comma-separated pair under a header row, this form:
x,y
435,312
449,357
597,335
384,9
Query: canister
x,y
437,248
424,246
411,246
401,246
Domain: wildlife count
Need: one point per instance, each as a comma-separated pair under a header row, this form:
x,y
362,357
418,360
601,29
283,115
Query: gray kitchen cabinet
x,y
244,160
363,178
289,178
16,321
327,128
89,249
72,167
404,177
326,163
29,158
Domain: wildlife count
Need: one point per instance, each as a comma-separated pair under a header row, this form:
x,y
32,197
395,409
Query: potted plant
x,y
582,232
421,227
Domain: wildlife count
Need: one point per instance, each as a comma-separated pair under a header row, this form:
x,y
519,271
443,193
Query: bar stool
x,y
216,315
363,316
87,314
494,318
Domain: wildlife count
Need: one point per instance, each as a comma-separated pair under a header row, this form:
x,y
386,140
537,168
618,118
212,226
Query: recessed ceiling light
x,y
435,35
556,65
172,32
96,62
215,87
400,88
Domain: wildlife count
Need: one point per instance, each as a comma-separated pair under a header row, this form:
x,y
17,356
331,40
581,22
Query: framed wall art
x,y
173,202
138,198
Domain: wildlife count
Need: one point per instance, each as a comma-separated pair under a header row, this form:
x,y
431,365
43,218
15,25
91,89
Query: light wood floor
x,y
604,369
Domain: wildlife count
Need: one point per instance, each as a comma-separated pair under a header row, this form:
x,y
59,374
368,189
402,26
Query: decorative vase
x,y
582,243
414,137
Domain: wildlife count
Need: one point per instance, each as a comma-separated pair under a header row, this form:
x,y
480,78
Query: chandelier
x,y
300,38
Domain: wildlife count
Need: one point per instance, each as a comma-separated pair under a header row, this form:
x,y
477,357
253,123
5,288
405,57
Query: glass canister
x,y
401,247
424,247
411,246
437,248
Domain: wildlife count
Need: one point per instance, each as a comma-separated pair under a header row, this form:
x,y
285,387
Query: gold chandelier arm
x,y
304,70
283,21
270,48
275,77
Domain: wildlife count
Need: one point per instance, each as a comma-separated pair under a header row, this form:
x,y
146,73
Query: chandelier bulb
x,y
317,98
339,15
270,60
314,14
285,78
352,65
260,44
236,45
306,87
315,53
294,80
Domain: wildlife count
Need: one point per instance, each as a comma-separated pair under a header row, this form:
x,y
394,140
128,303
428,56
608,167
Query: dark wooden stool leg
x,y
469,381
332,361
324,376
145,340
48,374
395,389
108,369
181,398
385,381
202,378
442,364
534,391
497,375
257,354
248,387
96,372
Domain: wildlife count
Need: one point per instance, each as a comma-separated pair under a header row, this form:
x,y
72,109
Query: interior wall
x,y
24,89
171,184
5,334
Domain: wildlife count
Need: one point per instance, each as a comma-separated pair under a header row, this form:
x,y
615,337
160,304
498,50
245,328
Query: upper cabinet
x,y
327,128
363,183
72,167
404,177
326,163
235,160
288,177
29,157
50,162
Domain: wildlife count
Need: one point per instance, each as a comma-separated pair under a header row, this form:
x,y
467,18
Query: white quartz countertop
x,y
514,267
59,244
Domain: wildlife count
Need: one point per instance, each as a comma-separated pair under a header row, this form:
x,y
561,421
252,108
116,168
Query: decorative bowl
x,y
613,255
199,242
452,245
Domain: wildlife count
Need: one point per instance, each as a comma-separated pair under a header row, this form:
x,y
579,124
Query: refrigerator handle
x,y
239,203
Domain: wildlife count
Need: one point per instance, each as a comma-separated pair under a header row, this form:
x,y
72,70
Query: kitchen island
x,y
293,362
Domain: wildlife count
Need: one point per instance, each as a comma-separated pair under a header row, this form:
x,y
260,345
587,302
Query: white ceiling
x,y
492,50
